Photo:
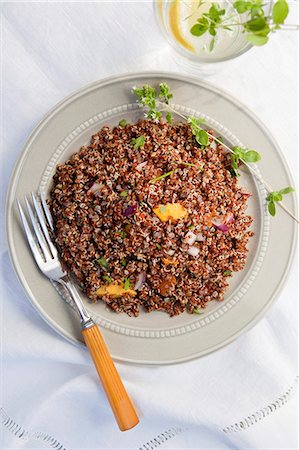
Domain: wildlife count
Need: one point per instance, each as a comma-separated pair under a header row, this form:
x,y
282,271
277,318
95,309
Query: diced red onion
x,y
190,238
193,251
199,237
141,165
230,218
95,187
130,211
222,227
140,281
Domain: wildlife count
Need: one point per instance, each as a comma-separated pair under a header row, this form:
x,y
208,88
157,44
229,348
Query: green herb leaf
x,y
202,137
242,6
122,123
103,263
124,193
276,196
138,142
255,39
251,156
200,28
226,273
287,190
169,117
257,24
158,246
127,284
154,115
124,262
165,92
280,12
146,95
107,278
212,44
198,311
161,177
272,208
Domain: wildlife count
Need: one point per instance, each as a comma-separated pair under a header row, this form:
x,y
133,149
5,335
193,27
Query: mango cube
x,y
169,211
115,290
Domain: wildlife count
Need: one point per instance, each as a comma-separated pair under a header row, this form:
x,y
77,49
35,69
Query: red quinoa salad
x,y
146,218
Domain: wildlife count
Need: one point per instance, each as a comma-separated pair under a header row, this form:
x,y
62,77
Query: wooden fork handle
x,y
121,405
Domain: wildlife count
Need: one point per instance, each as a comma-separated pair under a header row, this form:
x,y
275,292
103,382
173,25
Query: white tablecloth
x,y
50,395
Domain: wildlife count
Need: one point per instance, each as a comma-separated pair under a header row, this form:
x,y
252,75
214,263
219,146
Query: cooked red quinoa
x,y
102,205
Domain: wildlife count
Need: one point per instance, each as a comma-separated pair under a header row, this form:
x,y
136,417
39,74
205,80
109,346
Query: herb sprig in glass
x,y
254,23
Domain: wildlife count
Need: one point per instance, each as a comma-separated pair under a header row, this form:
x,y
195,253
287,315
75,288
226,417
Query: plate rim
x,y
63,103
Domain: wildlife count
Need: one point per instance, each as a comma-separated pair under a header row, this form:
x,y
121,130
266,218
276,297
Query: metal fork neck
x,y
84,316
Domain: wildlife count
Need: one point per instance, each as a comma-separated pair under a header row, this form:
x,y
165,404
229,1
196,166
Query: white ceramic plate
x,y
155,338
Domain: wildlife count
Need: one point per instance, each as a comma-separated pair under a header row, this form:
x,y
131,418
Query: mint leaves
x,y
254,23
275,197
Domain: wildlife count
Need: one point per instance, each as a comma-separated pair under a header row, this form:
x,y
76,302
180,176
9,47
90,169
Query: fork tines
x,y
37,232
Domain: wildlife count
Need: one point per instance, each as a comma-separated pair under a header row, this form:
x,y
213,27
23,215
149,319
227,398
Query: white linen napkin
x,y
51,389
50,394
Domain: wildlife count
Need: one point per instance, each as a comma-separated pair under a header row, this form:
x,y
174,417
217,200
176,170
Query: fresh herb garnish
x,y
198,311
201,136
122,234
226,273
256,26
124,262
103,263
191,227
138,142
161,177
107,278
165,93
169,117
147,96
127,284
124,193
158,246
122,123
276,196
243,154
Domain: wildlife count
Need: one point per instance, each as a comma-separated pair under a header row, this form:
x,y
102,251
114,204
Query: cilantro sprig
x,y
275,197
254,23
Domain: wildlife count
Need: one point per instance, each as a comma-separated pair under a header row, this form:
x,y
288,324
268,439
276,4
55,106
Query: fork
x,y
47,259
